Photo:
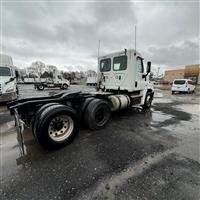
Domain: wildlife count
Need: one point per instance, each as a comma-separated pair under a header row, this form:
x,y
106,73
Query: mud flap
x,y
20,129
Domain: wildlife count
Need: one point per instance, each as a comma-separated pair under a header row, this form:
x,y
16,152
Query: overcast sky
x,y
66,34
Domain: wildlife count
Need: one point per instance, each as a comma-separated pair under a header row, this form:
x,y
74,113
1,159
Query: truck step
x,y
136,106
136,96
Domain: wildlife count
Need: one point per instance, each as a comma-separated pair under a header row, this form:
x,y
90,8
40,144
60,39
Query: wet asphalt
x,y
139,155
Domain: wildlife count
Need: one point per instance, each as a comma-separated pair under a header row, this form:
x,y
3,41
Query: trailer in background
x,y
91,80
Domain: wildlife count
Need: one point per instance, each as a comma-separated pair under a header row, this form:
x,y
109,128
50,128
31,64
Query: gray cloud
x,y
66,34
176,54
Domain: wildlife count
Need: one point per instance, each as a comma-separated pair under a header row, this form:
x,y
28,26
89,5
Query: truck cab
x,y
8,76
56,81
124,73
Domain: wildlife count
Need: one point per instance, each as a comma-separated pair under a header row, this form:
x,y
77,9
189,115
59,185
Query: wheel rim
x,y
41,87
60,128
99,115
148,100
64,86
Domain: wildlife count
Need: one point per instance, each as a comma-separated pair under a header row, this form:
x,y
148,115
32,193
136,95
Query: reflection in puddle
x,y
162,100
158,116
190,108
158,94
7,127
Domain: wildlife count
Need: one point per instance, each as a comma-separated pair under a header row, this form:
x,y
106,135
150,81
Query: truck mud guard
x,y
20,129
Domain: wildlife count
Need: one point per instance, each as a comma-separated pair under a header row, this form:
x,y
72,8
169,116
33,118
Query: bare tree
x,y
39,67
51,68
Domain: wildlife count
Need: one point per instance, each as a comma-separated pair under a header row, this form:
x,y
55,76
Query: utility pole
x,y
135,37
135,40
98,53
158,72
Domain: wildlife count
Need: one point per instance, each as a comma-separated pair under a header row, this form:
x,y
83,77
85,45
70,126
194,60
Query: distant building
x,y
190,72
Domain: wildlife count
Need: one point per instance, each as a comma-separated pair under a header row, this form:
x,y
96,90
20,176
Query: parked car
x,y
182,85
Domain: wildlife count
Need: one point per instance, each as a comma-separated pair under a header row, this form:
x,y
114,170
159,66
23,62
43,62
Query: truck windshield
x,y
179,82
5,71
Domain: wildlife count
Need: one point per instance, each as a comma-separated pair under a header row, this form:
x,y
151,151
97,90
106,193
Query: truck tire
x,y
57,126
86,103
64,86
35,119
97,114
40,87
148,100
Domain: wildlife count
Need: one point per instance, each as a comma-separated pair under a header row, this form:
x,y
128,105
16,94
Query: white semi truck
x,y
56,82
8,79
122,83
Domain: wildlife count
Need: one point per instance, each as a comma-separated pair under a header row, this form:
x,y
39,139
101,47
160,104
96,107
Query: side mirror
x,y
17,74
148,67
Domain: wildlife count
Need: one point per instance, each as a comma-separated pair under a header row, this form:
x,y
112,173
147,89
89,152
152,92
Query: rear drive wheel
x,y
172,92
40,87
57,126
36,118
97,114
148,100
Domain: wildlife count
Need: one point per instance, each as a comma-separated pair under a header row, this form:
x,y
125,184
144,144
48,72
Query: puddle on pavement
x,y
11,158
158,94
7,127
158,116
162,100
190,108
3,109
189,134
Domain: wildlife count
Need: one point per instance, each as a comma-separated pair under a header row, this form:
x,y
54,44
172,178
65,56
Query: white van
x,y
8,79
183,85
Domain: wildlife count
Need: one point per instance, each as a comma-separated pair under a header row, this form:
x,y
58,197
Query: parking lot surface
x,y
139,155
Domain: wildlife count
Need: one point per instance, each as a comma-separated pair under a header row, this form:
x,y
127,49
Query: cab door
x,y
140,83
105,76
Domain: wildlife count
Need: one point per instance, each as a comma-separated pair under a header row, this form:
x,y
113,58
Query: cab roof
x,y
182,79
120,53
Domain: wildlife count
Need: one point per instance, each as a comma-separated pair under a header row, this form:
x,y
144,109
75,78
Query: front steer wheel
x,y
97,114
148,100
64,86
40,87
57,126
